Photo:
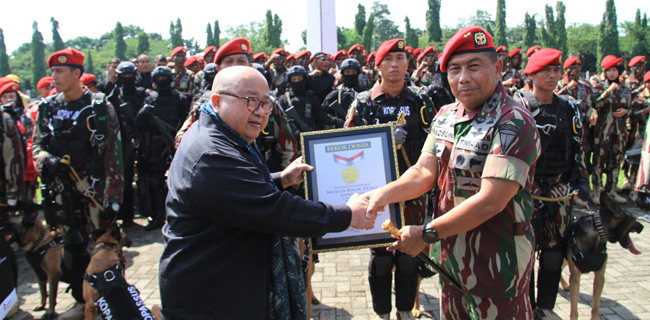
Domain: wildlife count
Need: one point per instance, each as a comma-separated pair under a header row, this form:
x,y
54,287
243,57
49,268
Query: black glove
x,y
643,201
584,191
56,167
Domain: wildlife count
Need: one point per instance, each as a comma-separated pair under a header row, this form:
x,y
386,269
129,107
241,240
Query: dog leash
x,y
567,197
66,160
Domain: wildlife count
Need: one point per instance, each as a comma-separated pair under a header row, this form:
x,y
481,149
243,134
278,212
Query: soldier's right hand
x,y
573,84
360,219
613,87
56,167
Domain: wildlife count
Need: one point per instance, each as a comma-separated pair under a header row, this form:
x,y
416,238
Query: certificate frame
x,y
332,153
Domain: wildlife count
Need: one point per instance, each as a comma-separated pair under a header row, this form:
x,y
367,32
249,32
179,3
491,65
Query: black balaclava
x,y
298,87
163,86
127,84
351,80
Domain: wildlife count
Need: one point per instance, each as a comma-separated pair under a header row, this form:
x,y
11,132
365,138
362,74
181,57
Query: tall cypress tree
x,y
143,42
500,38
273,31
58,42
90,68
216,34
640,43
360,19
410,37
368,32
4,59
530,30
560,28
176,33
433,21
608,36
549,32
208,31
120,44
38,54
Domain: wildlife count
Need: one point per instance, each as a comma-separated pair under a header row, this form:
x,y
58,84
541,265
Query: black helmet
x,y
350,64
210,69
162,71
259,68
126,67
296,71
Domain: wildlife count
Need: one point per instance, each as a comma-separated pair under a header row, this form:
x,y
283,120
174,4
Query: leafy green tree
x,y
4,59
90,68
549,33
38,54
216,34
489,30
347,37
58,42
209,40
640,43
176,33
303,35
530,30
368,33
410,37
384,28
255,32
273,31
608,37
120,44
500,39
582,41
560,28
143,42
359,19
433,21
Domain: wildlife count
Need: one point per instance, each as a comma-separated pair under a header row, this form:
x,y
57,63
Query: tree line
x,y
371,28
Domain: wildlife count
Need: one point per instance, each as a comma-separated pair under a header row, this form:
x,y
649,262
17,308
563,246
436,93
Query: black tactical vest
x,y
168,109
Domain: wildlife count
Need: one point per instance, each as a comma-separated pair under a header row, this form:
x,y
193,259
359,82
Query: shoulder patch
x,y
507,132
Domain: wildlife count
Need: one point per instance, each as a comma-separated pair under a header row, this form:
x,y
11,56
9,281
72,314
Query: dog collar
x,y
599,227
38,241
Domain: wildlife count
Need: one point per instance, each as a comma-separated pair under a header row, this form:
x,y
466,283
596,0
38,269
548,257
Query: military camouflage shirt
x,y
499,140
279,79
426,77
582,92
607,124
12,184
184,82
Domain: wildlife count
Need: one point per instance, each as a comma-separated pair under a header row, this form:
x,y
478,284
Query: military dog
x,y
43,248
105,287
588,237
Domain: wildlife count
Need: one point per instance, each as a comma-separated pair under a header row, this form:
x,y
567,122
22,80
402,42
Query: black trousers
x,y
380,277
548,282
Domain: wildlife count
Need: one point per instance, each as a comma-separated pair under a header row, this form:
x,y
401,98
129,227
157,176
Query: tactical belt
x,y
35,255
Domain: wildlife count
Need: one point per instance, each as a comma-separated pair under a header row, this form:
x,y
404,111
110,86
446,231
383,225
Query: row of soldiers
x,y
87,137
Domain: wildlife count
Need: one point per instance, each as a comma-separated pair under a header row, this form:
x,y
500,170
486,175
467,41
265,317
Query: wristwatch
x,y
429,235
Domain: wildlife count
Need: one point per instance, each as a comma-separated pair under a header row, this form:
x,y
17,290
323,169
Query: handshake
x,y
364,210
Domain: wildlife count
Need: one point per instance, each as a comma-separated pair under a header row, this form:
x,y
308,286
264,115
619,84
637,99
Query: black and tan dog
x,y
587,249
43,248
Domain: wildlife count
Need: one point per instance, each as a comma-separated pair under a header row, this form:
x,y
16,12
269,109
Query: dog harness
x,y
35,255
589,262
118,299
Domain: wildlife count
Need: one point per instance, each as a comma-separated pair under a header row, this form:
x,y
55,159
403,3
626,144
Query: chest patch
x,y
468,162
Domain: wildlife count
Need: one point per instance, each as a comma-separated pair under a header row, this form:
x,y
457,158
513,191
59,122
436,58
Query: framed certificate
x,y
348,161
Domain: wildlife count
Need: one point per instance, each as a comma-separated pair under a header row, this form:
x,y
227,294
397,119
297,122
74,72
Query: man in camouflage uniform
x,y
486,146
559,167
370,70
613,106
84,127
12,184
642,185
183,78
425,74
383,104
275,66
512,77
208,57
636,122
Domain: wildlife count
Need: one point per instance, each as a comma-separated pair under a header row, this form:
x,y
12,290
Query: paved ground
x,y
341,282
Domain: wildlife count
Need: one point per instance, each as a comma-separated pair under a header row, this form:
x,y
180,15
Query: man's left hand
x,y
410,242
292,175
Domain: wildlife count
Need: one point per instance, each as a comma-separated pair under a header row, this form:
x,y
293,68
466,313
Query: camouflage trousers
x,y
551,218
77,215
607,159
643,174
587,143
456,305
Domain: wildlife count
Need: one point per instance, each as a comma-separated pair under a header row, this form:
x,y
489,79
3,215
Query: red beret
x,y
44,82
532,50
417,51
429,49
356,47
514,52
291,57
637,59
178,50
610,61
87,78
7,85
541,59
341,53
279,51
409,49
234,46
372,55
392,45
502,49
208,50
466,40
260,56
190,60
66,57
571,61
302,53
647,77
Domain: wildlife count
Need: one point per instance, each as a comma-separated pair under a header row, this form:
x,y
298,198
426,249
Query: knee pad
x,y
406,264
551,260
383,265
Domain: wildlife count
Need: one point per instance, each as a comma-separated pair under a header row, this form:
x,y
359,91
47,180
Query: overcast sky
x,y
92,19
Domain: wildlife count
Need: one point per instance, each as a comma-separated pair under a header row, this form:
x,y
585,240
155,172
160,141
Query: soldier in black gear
x,y
300,104
439,90
334,109
127,99
209,72
157,123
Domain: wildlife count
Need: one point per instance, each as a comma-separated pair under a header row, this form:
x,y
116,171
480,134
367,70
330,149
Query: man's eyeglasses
x,y
267,106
